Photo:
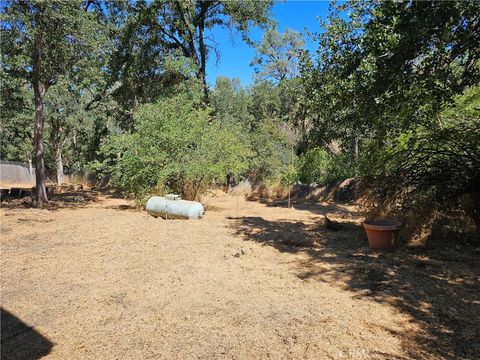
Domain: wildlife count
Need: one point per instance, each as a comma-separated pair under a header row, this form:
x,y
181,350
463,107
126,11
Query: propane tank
x,y
172,207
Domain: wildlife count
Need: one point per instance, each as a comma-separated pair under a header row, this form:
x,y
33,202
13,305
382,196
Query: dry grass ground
x,y
89,277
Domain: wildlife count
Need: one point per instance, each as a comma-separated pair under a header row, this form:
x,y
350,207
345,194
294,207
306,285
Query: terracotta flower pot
x,y
382,233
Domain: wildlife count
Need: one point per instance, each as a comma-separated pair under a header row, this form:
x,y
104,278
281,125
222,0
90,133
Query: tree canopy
x,y
278,55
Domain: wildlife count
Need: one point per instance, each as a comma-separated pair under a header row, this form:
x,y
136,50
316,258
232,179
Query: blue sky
x,y
235,55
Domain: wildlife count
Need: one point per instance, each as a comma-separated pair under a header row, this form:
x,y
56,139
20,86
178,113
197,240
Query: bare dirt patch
x,y
99,279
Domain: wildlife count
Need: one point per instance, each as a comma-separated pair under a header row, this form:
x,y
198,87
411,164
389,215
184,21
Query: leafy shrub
x,y
341,166
313,166
175,146
431,178
257,110
271,152
319,166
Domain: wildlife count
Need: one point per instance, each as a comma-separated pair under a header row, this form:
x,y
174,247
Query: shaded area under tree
x,y
21,341
438,288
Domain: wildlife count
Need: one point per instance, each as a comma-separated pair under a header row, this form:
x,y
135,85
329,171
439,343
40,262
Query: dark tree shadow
x,y
339,209
21,341
438,288
122,207
67,200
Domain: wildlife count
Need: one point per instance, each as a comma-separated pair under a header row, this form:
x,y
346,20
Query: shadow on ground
x,y
67,200
21,341
323,208
122,207
438,288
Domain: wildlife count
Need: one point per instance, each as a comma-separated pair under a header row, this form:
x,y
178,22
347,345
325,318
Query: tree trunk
x,y
203,56
39,91
475,210
38,146
59,161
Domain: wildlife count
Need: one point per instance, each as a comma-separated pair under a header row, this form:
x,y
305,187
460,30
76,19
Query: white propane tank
x,y
171,207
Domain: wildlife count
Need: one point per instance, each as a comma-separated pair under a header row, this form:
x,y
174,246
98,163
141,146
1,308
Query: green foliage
x,y
71,129
272,151
257,111
320,166
16,119
69,38
153,30
51,45
433,169
265,101
341,167
290,173
394,84
175,146
277,55
313,166
445,158
384,68
382,85
231,102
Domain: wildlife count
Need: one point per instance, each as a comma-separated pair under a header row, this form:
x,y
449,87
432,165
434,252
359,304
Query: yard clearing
x,y
90,277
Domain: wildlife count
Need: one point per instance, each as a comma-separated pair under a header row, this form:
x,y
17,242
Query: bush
x,y
313,166
176,146
272,154
431,178
319,166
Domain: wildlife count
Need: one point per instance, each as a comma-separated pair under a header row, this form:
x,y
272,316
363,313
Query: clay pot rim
x,y
382,224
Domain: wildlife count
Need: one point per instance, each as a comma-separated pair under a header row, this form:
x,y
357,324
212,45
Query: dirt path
x,y
99,280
